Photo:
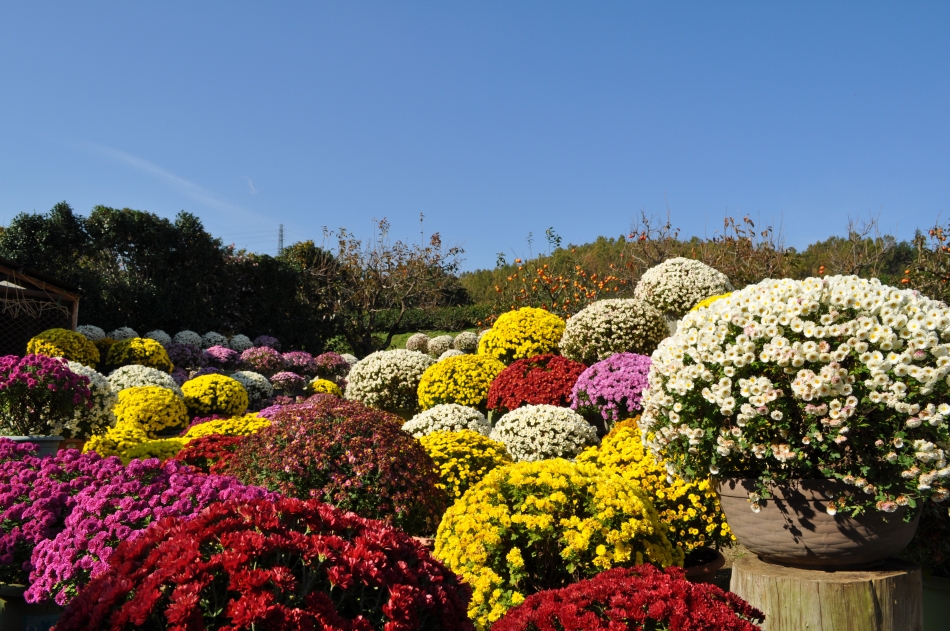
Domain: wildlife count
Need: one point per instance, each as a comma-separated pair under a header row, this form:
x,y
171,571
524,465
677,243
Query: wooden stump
x,y
887,598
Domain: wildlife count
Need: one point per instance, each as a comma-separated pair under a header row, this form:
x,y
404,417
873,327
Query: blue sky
x,y
493,119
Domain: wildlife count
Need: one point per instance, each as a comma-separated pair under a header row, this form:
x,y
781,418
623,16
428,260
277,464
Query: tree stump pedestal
x,y
886,598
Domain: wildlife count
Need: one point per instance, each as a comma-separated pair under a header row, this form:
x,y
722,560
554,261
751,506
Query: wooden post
x,y
887,598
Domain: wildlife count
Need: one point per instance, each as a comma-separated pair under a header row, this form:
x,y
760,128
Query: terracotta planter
x,y
794,528
18,615
48,445
707,562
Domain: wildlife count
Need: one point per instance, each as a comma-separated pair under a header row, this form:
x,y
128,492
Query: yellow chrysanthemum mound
x,y
463,379
708,301
690,508
215,394
463,458
236,426
129,442
64,343
139,350
325,386
532,526
152,409
523,333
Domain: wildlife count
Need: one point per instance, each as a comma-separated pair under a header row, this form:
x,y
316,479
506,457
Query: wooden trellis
x,y
31,302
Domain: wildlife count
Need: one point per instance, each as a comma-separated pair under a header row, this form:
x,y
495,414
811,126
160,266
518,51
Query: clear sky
x,y
493,119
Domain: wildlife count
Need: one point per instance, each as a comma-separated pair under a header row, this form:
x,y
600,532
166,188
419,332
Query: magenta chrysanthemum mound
x,y
613,387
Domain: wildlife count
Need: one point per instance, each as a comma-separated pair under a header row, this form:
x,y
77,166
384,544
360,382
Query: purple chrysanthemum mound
x,y
332,366
180,375
287,381
613,387
186,356
263,359
269,341
223,357
117,506
36,497
300,362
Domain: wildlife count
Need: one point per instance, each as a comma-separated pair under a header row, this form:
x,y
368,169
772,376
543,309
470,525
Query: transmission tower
x,y
280,240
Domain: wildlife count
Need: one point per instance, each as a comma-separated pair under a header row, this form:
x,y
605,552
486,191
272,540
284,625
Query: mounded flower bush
x,y
40,395
263,359
450,353
98,416
332,367
463,458
438,345
215,394
159,336
539,380
209,454
188,356
466,341
223,357
447,417
135,376
617,325
418,342
836,377
36,497
256,384
287,382
64,343
188,337
153,409
539,432
677,285
118,506
691,509
324,386
464,379
161,448
388,380
234,426
290,564
240,343
123,333
268,341
538,525
346,454
211,338
613,388
91,332
141,351
520,334
642,596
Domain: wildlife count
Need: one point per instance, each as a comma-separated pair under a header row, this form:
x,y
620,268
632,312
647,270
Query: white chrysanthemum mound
x,y
539,432
467,342
256,384
211,338
439,345
607,327
450,353
798,379
92,333
98,418
159,336
677,285
418,342
350,359
240,343
447,417
388,380
135,376
188,337
123,333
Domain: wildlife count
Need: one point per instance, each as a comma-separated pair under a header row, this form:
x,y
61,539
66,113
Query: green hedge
x,y
436,319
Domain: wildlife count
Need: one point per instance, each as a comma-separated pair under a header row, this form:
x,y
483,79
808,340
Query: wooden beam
x,y
38,283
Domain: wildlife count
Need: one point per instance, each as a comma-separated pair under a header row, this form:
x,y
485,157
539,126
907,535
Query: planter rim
x,y
706,570
808,489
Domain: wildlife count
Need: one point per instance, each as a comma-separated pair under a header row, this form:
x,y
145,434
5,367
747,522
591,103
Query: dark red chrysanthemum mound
x,y
641,597
209,454
539,380
345,454
287,565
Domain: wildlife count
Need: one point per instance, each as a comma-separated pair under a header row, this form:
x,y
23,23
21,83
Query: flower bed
x,y
388,380
39,395
215,394
521,334
613,326
287,565
64,343
141,351
463,379
538,432
612,388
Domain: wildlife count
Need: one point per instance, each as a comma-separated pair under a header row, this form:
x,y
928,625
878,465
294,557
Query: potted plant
x,y
821,406
39,397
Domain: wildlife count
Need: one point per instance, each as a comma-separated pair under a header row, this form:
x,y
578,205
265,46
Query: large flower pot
x,y
702,565
18,615
794,527
48,445
936,603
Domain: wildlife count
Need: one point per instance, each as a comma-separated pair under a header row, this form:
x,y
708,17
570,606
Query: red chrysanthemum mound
x,y
641,597
209,454
288,565
539,380
349,455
